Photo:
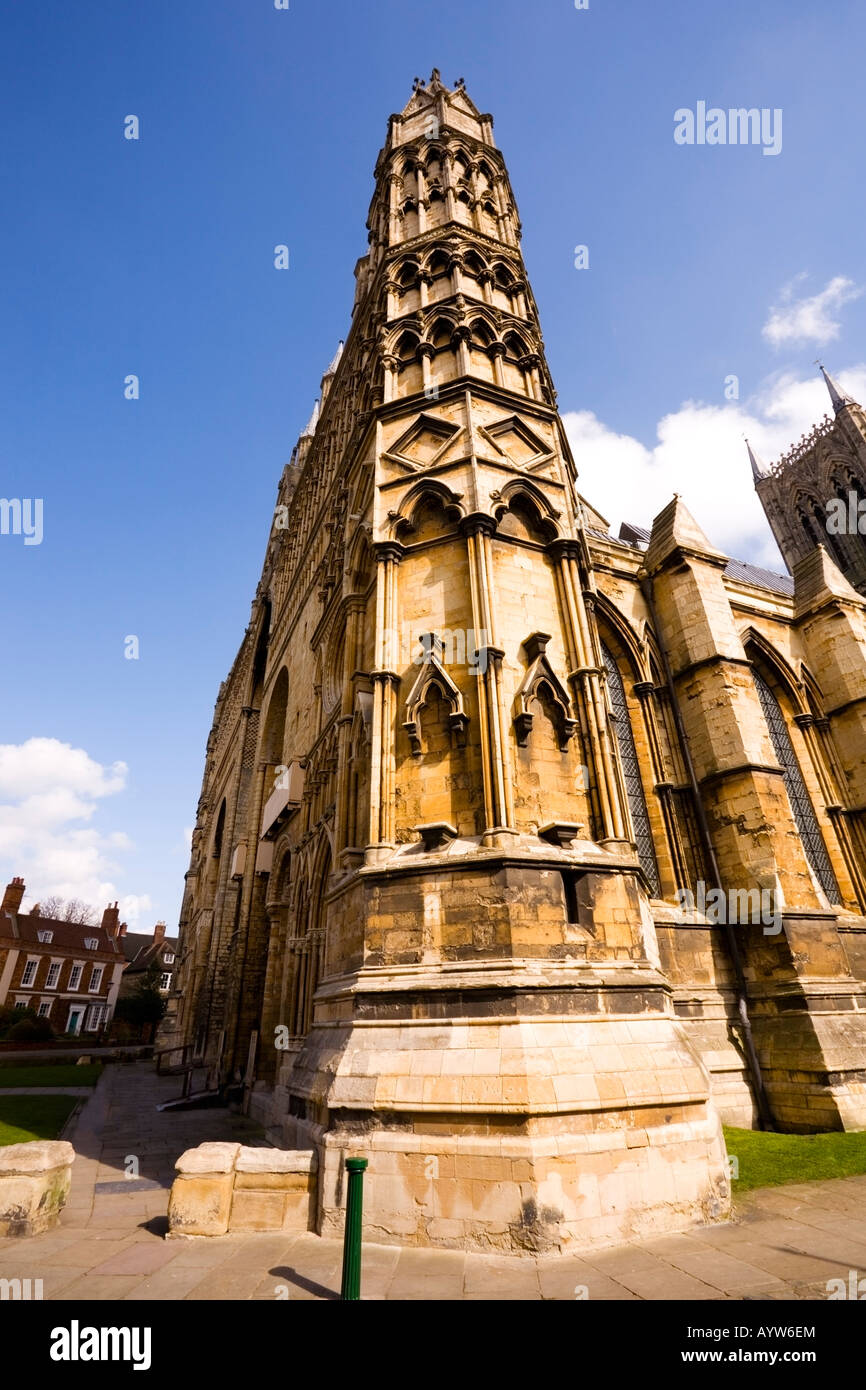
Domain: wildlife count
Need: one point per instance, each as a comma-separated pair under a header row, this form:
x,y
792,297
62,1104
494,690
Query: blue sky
x,y
155,257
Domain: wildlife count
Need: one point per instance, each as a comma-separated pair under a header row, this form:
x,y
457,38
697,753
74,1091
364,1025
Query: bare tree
x,y
68,910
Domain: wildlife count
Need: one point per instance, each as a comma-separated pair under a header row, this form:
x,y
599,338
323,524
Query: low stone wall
x,y
223,1188
35,1180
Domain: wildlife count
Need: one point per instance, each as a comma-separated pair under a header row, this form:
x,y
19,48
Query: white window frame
x,y
94,1019
74,981
165,980
92,943
44,1010
22,1002
25,982
45,936
168,958
96,975
53,984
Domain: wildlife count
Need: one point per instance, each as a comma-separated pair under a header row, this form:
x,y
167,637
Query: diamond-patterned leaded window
x,y
801,805
631,773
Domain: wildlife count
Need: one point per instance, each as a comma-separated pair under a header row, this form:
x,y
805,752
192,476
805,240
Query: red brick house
x,y
66,972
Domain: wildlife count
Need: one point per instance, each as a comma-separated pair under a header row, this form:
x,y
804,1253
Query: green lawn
x,y
768,1160
23,1118
51,1076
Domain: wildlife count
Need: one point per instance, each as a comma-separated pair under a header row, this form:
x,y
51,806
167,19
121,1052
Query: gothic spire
x,y
758,469
336,359
839,398
311,423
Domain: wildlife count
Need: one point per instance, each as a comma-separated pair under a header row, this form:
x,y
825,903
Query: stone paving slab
x,y
785,1243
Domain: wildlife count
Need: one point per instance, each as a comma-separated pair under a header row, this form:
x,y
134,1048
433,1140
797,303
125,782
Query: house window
x,y
75,976
165,979
22,1004
95,1015
45,1008
92,943
53,975
30,971
46,936
168,958
96,979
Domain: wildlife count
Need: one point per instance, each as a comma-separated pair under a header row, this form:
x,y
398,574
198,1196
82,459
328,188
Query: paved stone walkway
x,y
785,1243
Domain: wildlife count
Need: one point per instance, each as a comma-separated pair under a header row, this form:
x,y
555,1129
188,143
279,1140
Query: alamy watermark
x,y
756,906
22,516
735,126
846,517
20,1289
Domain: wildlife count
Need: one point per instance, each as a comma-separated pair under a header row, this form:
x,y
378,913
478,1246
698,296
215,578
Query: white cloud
x,y
49,791
811,319
700,453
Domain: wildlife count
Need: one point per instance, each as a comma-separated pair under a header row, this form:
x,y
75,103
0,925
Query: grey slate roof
x,y
638,537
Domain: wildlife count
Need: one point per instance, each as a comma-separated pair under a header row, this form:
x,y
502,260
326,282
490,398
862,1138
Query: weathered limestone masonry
x,y
801,987
35,1180
224,1188
470,755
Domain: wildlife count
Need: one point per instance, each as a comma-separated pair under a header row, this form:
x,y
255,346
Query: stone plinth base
x,y
223,1188
522,1136
34,1183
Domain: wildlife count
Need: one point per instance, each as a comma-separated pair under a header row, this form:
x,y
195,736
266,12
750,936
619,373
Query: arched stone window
x,y
801,806
812,533
631,773
274,732
308,949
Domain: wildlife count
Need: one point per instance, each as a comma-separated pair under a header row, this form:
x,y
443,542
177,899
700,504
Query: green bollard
x,y
350,1290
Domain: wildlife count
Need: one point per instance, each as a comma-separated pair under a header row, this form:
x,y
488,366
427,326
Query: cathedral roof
x,y
759,577
638,537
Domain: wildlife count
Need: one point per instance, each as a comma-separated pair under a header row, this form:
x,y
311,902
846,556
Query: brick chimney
x,y
159,933
111,919
12,897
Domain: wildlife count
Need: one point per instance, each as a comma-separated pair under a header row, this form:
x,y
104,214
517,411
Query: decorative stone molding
x,y
35,1180
433,673
540,672
223,1188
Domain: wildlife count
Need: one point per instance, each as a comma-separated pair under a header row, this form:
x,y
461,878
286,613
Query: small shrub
x,y
30,1030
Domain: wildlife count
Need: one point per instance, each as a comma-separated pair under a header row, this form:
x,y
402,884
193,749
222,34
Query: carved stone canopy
x,y
541,675
433,673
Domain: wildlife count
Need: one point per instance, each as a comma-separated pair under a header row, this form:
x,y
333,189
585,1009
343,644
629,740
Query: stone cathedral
x,y
525,854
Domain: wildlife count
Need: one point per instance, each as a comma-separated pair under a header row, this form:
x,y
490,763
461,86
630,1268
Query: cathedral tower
x,y
816,493
416,874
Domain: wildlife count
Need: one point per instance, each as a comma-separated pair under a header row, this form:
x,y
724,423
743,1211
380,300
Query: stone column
x,y
385,683
586,678
498,794
354,612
